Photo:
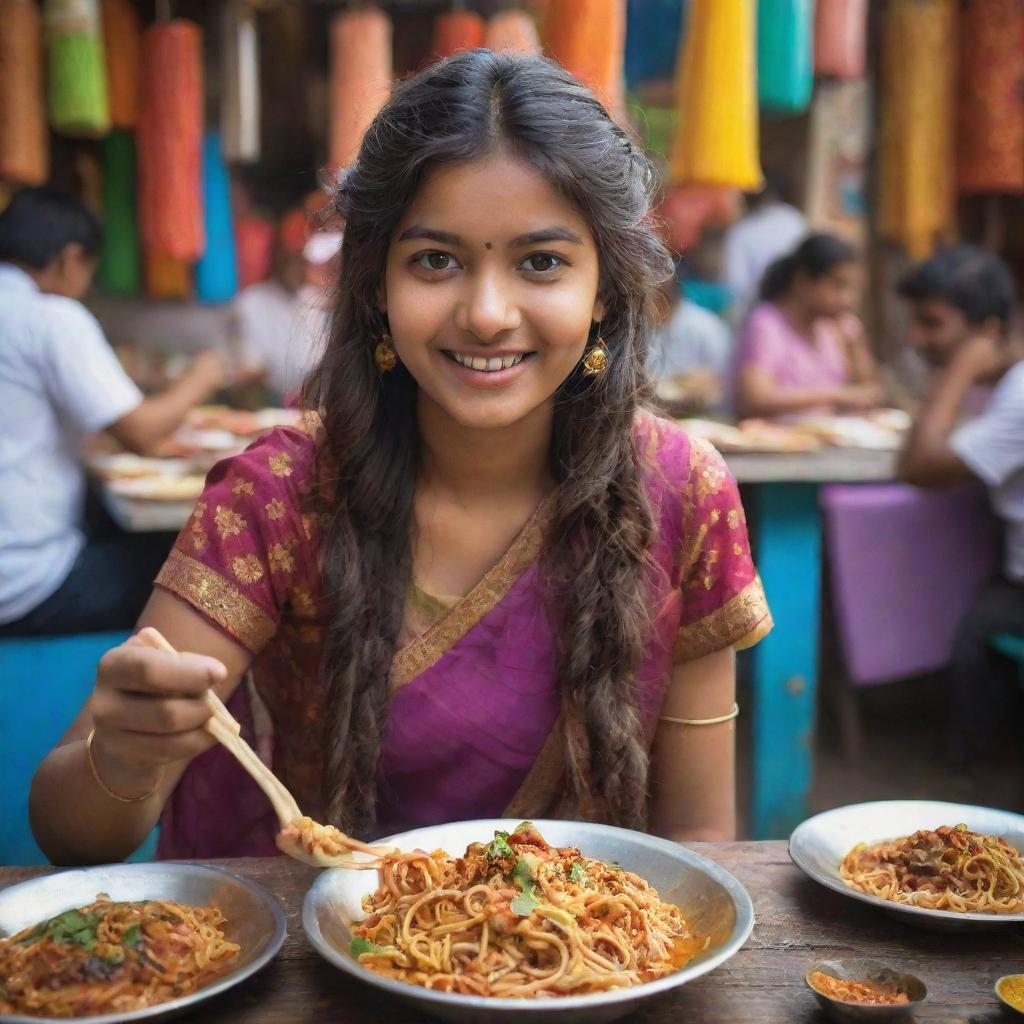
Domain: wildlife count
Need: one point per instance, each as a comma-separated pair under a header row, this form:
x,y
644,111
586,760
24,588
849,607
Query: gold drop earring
x,y
595,362
385,357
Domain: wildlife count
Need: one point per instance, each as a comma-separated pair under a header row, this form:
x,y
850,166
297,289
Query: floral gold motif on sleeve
x,y
302,602
734,518
198,537
199,511
243,487
229,523
280,557
275,509
247,568
280,464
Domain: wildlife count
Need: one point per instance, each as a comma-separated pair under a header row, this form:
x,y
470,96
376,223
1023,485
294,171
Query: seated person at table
x,y
802,349
693,349
279,322
490,582
60,381
962,303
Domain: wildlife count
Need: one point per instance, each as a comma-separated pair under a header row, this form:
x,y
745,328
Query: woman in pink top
x,y
802,349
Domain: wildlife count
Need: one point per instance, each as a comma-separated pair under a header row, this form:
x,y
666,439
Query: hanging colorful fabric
x,y
457,31
588,38
716,138
122,45
77,78
360,78
170,141
216,271
240,108
254,247
916,160
785,56
166,277
840,38
512,30
24,138
687,210
119,261
990,114
652,40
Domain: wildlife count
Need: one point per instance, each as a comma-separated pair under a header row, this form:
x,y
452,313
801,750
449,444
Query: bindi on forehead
x,y
488,245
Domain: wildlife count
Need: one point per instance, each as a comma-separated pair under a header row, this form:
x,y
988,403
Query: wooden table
x,y
786,528
798,922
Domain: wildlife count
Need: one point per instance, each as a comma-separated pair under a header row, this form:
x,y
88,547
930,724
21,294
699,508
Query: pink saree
x,y
472,724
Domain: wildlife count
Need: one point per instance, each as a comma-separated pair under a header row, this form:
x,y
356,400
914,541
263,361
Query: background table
x,y
798,922
785,522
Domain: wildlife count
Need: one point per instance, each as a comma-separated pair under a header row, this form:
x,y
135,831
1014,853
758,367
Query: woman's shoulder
x,y
283,457
674,460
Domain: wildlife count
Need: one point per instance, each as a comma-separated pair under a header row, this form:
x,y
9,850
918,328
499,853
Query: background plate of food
x,y
937,865
125,941
508,926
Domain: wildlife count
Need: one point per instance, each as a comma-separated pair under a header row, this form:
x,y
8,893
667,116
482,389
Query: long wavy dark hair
x,y
595,558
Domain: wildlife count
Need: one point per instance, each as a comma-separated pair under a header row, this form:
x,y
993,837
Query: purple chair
x,y
905,566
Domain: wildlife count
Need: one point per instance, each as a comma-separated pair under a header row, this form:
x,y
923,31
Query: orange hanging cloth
x,y
169,138
990,114
840,38
457,31
716,136
24,138
167,277
588,38
916,160
360,78
512,30
122,43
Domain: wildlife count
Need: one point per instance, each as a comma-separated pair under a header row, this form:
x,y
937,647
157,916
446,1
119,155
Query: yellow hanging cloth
x,y
716,137
916,144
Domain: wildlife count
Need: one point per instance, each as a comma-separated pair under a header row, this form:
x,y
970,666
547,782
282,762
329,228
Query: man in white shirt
x,y
962,304
59,382
771,229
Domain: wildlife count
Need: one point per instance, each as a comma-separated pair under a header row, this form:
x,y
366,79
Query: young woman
x,y
802,349
488,582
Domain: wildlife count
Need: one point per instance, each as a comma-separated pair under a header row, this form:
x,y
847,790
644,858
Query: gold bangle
x,y
106,789
702,721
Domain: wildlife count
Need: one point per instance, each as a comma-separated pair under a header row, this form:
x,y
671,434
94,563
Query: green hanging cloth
x,y
785,54
119,270
76,71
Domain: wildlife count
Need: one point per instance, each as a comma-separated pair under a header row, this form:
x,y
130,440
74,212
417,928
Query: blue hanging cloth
x,y
653,28
785,54
216,271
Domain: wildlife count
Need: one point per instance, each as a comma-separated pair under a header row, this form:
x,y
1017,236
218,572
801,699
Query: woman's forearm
x,y
75,822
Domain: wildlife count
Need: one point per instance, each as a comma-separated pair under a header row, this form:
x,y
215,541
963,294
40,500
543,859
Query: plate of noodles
x,y
130,942
934,864
567,920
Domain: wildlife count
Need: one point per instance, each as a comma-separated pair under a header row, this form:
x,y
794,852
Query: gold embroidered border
x,y
431,646
211,594
740,622
541,788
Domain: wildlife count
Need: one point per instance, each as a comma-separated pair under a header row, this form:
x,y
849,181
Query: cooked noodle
x,y
517,917
945,869
111,957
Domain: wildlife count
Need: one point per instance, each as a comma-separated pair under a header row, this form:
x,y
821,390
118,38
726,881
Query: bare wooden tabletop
x,y
798,922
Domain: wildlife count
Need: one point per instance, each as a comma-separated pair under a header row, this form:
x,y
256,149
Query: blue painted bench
x,y
43,683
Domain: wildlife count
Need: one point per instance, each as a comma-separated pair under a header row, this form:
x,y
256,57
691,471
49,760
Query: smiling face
x,y
490,290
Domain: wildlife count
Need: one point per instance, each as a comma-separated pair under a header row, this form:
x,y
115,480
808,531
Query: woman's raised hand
x,y
148,710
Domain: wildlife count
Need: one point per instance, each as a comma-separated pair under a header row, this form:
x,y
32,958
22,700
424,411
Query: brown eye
x,y
435,261
542,263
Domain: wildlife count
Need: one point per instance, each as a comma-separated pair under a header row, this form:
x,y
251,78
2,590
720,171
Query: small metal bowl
x,y
999,995
858,969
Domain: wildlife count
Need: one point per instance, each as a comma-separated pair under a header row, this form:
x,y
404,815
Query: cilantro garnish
x,y
523,905
578,875
358,946
498,847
